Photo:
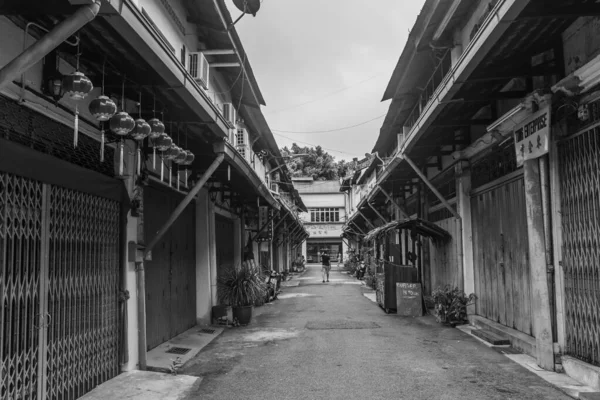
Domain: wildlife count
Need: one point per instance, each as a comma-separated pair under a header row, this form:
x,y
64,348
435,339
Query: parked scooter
x,y
273,281
361,270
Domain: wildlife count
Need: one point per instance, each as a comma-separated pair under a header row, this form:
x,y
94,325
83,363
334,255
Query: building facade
x,y
494,143
111,243
324,219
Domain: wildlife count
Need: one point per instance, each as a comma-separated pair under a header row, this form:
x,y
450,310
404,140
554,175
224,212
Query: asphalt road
x,y
328,341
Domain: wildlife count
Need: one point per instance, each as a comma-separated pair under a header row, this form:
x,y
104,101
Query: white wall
x,y
218,90
323,200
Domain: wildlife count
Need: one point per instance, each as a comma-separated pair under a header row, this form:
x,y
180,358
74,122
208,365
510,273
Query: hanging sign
x,y
532,137
264,214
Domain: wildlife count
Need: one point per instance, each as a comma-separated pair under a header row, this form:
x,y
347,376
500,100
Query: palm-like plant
x,y
242,286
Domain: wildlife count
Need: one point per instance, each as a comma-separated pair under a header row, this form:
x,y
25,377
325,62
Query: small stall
x,y
390,273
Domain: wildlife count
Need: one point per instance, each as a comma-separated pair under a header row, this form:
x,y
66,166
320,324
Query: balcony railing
x,y
443,67
254,161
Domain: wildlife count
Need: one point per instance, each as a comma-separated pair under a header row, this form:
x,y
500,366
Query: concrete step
x,y
491,337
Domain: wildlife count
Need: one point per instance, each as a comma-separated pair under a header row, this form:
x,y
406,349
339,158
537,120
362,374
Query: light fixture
x,y
54,86
583,112
213,194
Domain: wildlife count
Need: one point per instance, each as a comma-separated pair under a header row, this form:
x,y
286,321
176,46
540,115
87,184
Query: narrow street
x,y
328,341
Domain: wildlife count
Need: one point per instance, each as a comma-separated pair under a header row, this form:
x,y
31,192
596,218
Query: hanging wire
x,y
103,74
140,106
123,93
78,54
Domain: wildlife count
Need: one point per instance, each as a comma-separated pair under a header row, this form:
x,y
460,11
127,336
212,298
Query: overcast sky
x,y
336,56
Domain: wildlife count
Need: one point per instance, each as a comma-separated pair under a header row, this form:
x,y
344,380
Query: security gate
x,y
171,274
579,159
59,283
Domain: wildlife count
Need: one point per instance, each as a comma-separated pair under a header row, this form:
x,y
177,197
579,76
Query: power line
x,y
325,96
333,130
313,144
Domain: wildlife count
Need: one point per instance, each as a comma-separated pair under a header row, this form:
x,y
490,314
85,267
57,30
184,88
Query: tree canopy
x,y
318,164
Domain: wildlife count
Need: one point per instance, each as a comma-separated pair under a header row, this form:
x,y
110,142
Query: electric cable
x,y
332,130
325,96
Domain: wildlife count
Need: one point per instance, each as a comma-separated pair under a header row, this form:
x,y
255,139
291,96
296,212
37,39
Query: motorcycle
x,y
273,282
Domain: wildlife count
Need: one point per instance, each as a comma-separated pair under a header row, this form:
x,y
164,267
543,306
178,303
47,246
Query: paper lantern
x,y
140,131
102,108
77,86
157,128
121,123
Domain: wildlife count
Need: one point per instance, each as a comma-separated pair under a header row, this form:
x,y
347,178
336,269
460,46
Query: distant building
x,y
324,219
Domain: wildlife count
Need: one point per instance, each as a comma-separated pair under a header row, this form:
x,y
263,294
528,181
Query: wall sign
x,y
264,214
532,136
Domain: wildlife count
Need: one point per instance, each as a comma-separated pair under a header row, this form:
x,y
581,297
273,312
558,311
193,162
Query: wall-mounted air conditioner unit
x,y
199,69
230,114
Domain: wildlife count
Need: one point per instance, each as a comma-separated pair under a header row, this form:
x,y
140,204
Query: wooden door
x,y
501,254
171,274
224,245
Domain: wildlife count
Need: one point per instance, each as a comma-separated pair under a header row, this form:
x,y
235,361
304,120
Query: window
x,y
324,215
183,55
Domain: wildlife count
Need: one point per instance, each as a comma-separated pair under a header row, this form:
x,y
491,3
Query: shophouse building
x,y
112,243
491,135
326,213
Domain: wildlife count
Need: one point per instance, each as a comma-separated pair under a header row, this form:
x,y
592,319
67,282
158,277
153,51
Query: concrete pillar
x,y
134,233
537,263
237,242
463,204
213,252
304,250
204,241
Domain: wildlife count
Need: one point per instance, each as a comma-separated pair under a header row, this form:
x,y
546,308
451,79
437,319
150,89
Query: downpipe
x,y
37,51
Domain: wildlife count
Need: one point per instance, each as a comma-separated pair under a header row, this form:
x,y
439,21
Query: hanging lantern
x,y
140,131
121,123
157,128
102,108
163,143
189,159
77,86
170,154
179,160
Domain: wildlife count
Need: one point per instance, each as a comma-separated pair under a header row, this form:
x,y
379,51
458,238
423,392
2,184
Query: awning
x,y
243,169
416,225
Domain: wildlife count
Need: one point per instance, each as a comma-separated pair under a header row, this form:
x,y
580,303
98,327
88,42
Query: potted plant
x,y
450,305
241,288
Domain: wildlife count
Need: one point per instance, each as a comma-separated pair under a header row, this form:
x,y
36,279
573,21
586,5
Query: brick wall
x,y
22,125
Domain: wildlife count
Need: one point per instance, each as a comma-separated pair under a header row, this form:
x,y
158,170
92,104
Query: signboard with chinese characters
x,y
532,136
324,230
264,214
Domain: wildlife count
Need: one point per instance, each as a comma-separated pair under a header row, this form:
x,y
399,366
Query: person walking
x,y
326,265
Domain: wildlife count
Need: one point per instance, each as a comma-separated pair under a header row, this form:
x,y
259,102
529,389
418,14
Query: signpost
x,y
532,136
409,297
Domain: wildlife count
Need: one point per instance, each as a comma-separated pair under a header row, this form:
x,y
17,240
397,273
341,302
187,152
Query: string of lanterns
x,y
77,86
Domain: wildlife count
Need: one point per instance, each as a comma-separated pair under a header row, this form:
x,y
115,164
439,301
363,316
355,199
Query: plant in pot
x,y
241,288
450,305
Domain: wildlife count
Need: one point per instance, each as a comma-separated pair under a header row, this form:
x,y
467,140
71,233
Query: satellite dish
x,y
248,6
